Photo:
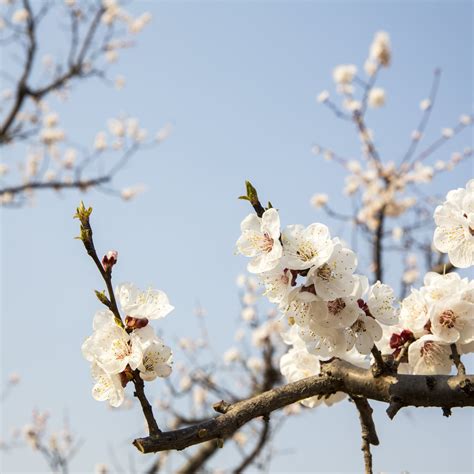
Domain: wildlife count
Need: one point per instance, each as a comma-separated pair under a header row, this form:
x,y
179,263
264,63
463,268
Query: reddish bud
x,y
364,306
397,340
126,376
135,323
109,260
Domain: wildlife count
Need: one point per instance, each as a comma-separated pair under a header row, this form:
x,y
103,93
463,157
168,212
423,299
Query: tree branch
x,y
456,358
337,375
369,434
195,462
249,459
55,185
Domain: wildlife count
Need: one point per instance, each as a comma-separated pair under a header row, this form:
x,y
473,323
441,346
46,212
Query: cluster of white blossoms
x,y
432,318
345,75
454,233
333,308
298,364
117,351
383,187
333,312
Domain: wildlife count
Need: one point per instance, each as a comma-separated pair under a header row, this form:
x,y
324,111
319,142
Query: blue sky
x,y
238,81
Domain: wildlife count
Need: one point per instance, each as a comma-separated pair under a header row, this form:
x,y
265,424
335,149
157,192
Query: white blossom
x,y
260,240
323,96
20,16
323,342
107,386
334,278
447,132
150,304
277,285
380,300
116,127
156,361
376,97
100,142
298,364
425,104
363,334
380,50
231,355
339,313
429,356
452,320
306,247
370,67
319,200
344,74
454,233
132,191
111,346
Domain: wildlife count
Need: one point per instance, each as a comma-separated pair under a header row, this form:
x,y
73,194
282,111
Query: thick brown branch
x,y
337,375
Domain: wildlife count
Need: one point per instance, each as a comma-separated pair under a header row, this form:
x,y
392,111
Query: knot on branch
x,y
221,407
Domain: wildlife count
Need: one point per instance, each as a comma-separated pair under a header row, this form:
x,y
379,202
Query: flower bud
x,y
135,323
109,260
126,376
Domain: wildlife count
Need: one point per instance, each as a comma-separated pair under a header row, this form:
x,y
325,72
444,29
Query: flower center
x,y
336,306
306,251
447,319
265,243
324,272
121,349
431,352
358,326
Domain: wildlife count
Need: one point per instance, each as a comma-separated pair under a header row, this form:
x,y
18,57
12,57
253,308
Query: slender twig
x,y
401,355
424,118
87,240
145,404
369,434
55,185
262,439
379,364
198,459
457,360
337,111
377,247
83,215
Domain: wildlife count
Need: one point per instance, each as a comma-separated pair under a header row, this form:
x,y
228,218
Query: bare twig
x,y
262,439
82,184
457,360
369,434
198,459
424,118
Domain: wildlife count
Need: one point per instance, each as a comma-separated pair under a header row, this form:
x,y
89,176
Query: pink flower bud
x,y
109,260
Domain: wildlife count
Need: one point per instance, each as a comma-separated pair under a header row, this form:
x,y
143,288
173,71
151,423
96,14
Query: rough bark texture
x,y
397,390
